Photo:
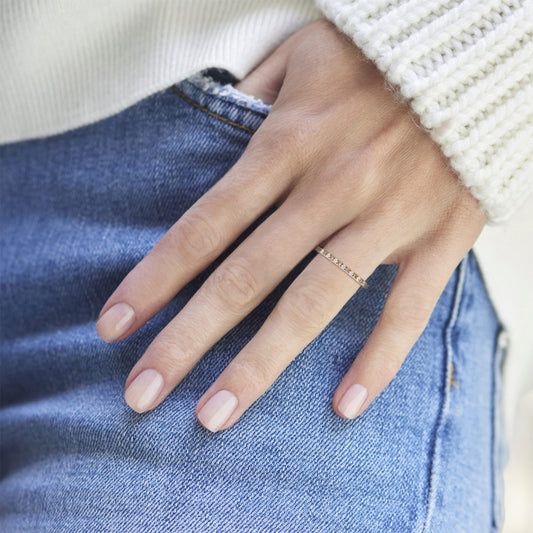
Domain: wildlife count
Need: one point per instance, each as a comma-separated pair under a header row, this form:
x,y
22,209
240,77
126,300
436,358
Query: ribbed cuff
x,y
465,68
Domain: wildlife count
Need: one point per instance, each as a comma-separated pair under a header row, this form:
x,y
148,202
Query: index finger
x,y
206,229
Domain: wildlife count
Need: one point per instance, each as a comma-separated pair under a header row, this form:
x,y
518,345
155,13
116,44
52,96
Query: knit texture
x,y
466,68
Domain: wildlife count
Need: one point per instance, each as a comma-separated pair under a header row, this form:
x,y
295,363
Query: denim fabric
x,y
79,210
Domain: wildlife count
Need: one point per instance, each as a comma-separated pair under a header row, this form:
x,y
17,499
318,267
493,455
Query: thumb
x,y
266,79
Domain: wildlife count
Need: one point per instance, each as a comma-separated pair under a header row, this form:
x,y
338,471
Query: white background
x,y
505,254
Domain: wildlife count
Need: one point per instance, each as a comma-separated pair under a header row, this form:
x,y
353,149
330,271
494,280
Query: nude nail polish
x,y
143,390
353,400
115,322
216,412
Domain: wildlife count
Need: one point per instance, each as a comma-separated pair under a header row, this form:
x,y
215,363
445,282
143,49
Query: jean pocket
x,y
499,450
221,83
213,91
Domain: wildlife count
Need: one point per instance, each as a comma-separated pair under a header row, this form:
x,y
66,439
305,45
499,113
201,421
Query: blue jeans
x,y
79,211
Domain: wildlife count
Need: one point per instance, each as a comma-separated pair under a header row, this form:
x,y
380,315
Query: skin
x,y
348,166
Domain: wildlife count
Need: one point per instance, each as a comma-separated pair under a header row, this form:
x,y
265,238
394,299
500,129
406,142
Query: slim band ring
x,y
342,266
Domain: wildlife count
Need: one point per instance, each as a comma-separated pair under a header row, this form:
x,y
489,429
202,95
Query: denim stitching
x,y
453,383
210,113
435,463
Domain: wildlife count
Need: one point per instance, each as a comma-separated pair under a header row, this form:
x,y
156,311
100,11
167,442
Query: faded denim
x,y
79,211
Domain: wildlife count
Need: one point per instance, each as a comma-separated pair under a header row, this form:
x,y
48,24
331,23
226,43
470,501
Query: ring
x,y
345,268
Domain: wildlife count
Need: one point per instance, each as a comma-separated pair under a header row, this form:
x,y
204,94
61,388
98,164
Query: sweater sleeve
x,y
466,69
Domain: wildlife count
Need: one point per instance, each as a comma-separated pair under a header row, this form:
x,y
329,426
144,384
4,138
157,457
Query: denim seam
x,y
445,403
210,113
498,430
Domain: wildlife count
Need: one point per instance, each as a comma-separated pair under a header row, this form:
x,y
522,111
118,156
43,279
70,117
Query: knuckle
x,y
255,374
197,234
363,177
301,130
305,310
289,140
408,317
234,285
389,363
391,147
174,356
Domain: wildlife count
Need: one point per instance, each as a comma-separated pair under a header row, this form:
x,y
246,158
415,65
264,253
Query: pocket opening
x,y
220,83
207,91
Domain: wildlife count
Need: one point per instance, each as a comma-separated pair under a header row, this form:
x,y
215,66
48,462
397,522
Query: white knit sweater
x,y
465,66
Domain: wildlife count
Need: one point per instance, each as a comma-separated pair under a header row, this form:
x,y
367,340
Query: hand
x,y
348,167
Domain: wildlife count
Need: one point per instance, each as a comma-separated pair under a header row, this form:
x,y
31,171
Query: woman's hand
x,y
348,167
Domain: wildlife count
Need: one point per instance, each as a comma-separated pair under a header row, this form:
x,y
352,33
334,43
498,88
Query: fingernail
x,y
115,321
215,413
352,401
143,390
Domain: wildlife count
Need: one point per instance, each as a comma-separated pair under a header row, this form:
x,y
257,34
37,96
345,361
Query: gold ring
x,y
345,268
